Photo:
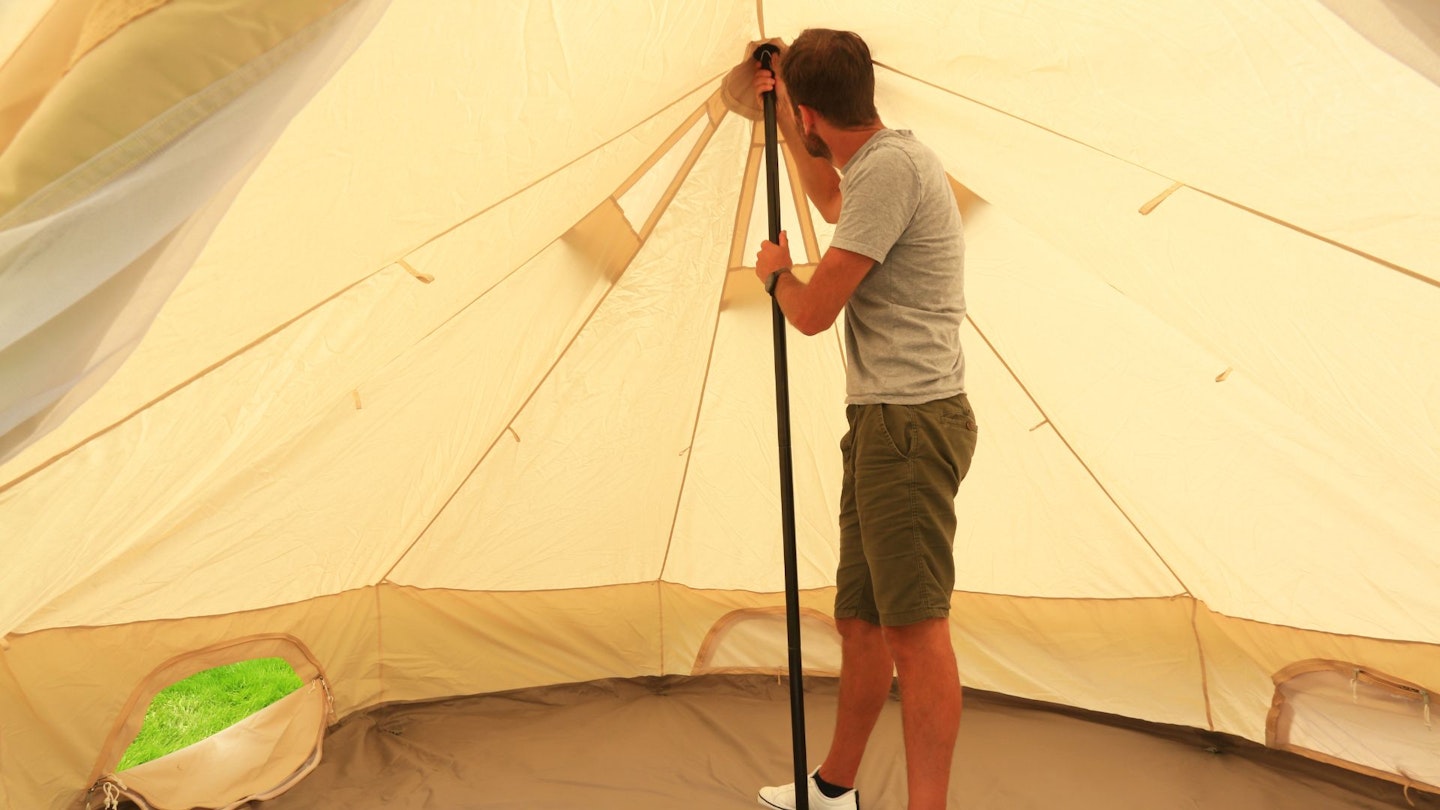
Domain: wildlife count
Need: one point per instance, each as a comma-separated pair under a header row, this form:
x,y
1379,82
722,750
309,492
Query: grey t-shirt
x,y
902,324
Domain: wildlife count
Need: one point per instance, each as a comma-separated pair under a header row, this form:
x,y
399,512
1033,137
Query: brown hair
x,y
831,73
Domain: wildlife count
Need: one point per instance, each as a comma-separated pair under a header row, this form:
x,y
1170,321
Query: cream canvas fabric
x,y
422,336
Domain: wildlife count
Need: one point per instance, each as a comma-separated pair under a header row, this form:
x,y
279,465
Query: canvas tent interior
x,y
414,342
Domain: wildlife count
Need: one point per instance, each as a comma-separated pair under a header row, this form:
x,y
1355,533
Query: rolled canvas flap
x,y
260,757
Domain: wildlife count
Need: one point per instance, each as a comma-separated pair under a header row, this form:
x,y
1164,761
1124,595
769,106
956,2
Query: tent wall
x,y
65,693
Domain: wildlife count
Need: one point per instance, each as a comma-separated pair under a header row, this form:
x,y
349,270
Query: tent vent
x,y
753,640
639,200
264,705
1356,717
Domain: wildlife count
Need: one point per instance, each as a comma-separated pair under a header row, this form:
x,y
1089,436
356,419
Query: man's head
x,y
831,73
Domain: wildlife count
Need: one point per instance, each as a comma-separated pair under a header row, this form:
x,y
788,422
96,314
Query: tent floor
x,y
710,742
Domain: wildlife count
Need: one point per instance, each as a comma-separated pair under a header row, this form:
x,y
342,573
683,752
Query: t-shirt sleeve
x,y
878,202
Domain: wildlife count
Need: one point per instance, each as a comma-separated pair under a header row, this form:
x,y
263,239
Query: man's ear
x,y
807,118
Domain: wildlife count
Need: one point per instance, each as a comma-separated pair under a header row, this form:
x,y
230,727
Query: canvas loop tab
x,y
329,696
1425,708
1355,686
112,796
1150,206
424,278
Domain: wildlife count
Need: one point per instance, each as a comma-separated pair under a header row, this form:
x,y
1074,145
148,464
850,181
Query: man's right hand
x,y
765,81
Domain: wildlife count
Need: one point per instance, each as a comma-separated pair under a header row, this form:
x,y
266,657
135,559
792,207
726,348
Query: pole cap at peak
x,y
737,89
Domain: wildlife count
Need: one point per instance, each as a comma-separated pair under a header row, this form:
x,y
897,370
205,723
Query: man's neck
x,y
844,143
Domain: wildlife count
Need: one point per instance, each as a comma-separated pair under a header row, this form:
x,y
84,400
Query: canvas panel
x,y
439,643
1286,109
1132,657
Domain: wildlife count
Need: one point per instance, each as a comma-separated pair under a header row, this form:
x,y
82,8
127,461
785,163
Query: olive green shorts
x,y
903,467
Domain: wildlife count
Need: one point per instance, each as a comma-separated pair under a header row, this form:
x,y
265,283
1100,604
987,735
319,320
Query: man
x,y
896,267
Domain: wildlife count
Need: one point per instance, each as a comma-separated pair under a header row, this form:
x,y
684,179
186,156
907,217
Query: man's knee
x,y
858,630
919,640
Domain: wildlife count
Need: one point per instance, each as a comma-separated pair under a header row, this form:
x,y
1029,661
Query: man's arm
x,y
812,307
817,176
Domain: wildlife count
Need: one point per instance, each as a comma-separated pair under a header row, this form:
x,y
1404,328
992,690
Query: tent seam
x,y
1204,673
1201,602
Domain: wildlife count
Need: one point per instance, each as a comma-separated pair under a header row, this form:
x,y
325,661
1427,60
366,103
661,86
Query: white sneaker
x,y
783,797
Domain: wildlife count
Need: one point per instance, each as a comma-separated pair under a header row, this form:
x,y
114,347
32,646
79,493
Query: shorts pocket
x,y
897,423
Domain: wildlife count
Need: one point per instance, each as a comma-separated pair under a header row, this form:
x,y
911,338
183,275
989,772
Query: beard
x,y
812,142
815,146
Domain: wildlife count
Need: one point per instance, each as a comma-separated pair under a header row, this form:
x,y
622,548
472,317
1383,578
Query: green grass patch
x,y
191,710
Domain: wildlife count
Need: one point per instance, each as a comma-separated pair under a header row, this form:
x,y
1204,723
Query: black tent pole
x,y
787,483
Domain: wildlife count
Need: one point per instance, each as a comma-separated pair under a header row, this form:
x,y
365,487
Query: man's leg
x,y
865,675
929,707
